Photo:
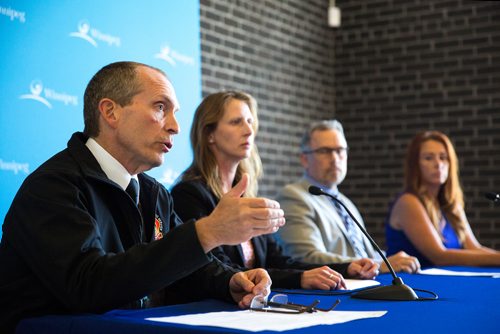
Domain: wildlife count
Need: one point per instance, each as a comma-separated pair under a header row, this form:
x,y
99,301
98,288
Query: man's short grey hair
x,y
319,126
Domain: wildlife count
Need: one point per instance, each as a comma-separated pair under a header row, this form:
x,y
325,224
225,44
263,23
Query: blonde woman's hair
x,y
204,165
450,196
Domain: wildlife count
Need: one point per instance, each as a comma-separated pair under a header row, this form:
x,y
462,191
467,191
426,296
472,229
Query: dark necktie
x,y
352,233
133,190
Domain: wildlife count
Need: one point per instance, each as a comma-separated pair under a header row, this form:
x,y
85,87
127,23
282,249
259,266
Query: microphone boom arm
x,y
374,244
398,290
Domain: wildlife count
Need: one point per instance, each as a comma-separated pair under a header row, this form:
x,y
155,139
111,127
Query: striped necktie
x,y
355,238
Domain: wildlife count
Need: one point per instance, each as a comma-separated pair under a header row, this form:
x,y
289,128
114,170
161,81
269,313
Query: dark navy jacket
x,y
193,199
73,241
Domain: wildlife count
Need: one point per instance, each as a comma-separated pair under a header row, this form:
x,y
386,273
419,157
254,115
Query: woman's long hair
x,y
204,165
450,196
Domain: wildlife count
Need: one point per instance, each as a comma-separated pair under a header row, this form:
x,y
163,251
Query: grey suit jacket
x,y
314,232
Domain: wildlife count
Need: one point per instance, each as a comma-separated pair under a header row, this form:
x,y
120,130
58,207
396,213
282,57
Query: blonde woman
x,y
222,138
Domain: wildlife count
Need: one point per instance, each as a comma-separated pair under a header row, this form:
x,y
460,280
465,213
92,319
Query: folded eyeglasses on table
x,y
279,304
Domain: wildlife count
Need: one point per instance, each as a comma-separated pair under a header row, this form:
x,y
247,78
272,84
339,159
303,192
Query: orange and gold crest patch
x,y
158,228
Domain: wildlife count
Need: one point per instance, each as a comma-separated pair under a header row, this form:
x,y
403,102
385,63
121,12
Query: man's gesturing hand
x,y
237,219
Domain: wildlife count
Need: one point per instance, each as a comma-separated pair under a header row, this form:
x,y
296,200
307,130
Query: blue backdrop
x,y
49,50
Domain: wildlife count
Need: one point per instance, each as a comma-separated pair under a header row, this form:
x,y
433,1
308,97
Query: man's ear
x,y
109,111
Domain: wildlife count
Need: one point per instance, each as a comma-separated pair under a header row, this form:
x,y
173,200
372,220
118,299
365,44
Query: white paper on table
x,y
436,271
255,321
354,284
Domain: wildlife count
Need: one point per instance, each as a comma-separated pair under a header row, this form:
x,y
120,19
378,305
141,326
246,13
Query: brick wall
x,y
281,53
393,68
406,66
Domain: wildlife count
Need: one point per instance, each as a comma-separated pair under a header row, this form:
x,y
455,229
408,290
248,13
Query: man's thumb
x,y
240,188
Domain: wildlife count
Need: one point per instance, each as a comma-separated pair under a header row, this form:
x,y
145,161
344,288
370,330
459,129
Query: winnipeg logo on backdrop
x,y
172,56
36,90
13,14
15,167
92,35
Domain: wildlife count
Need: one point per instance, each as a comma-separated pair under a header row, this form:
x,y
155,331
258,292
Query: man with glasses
x,y
318,229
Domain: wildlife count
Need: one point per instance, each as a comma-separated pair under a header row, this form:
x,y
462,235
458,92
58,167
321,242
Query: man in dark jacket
x,y
75,239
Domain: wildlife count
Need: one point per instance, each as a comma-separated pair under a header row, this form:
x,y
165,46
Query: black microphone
x,y
398,290
495,197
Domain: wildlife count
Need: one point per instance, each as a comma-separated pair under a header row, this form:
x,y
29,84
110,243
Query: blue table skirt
x,y
465,305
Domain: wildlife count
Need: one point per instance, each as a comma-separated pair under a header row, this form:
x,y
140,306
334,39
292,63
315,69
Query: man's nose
x,y
171,125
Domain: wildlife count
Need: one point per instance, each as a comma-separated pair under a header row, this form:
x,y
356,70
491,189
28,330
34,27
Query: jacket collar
x,y
85,159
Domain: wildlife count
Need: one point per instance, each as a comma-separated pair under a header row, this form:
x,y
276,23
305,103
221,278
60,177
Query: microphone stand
x,y
398,290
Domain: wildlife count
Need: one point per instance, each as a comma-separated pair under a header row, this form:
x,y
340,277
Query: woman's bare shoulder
x,y
407,205
407,199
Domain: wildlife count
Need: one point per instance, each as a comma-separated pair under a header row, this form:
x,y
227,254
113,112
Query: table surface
x,y
465,305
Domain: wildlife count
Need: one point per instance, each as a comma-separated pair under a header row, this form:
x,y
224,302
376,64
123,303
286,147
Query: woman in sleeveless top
x,y
427,220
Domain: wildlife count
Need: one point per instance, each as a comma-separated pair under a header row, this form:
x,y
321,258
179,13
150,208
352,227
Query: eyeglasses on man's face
x,y
341,151
279,304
